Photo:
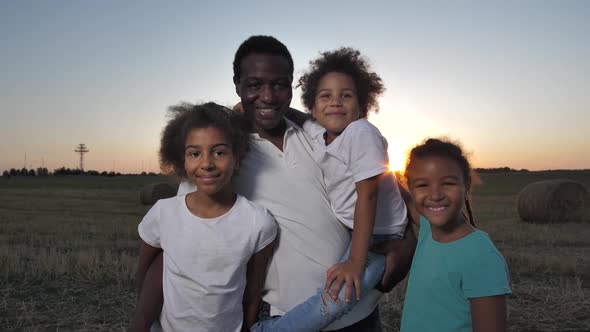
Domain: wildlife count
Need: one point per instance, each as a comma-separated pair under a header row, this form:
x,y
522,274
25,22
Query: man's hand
x,y
398,259
349,272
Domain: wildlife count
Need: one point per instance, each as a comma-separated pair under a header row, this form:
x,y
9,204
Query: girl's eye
x,y
348,95
449,183
324,96
219,153
194,154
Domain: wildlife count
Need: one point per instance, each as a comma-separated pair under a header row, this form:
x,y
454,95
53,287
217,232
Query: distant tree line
x,y
43,171
499,170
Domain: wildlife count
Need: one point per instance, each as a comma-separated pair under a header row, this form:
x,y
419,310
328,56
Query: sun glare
x,y
397,160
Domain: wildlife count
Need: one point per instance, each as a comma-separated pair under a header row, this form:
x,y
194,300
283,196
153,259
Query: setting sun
x,y
397,160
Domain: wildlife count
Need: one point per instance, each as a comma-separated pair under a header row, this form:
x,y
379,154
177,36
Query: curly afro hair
x,y
348,61
186,117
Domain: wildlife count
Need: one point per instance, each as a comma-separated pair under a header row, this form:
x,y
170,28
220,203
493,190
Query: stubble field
x,y
68,249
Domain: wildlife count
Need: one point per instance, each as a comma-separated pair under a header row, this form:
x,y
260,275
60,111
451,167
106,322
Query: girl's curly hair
x,y
348,61
186,117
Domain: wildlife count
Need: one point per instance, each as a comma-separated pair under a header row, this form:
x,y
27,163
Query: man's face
x,y
265,89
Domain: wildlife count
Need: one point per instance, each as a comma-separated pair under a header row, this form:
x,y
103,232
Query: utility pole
x,y
81,149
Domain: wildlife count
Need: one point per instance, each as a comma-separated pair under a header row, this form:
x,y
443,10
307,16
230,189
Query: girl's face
x,y
209,161
336,103
438,189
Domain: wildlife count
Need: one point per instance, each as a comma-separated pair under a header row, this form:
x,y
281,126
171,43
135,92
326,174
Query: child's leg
x,y
320,310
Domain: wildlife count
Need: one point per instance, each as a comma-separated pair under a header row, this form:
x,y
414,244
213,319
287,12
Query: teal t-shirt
x,y
444,276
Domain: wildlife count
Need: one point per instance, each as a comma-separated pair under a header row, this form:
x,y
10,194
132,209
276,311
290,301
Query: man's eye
x,y
280,86
254,85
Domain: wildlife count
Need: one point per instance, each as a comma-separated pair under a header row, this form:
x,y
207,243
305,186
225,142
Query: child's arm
x,y
147,254
254,284
351,270
149,287
488,314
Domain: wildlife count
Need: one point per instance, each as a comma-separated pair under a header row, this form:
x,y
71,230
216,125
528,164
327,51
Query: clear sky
x,y
510,79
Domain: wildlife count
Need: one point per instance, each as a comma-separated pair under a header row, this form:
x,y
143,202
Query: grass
x,y
68,249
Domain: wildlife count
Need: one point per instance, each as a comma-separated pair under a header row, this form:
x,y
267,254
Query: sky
x,y
509,79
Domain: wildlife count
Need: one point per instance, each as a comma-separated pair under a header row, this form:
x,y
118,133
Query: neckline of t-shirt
x,y
442,244
208,220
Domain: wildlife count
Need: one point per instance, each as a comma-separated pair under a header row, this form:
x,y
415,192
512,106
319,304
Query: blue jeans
x,y
320,310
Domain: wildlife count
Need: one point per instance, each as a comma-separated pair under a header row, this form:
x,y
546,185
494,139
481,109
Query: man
x,y
280,174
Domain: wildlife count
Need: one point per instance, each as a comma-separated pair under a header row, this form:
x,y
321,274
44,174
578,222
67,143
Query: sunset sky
x,y
510,79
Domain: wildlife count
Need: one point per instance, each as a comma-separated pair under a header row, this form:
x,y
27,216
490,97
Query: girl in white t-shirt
x,y
340,90
215,243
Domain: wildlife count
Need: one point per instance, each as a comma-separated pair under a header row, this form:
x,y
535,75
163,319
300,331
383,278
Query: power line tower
x,y
81,149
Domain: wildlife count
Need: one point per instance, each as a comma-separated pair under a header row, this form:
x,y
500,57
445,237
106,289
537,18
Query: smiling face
x,y
209,161
336,104
438,190
265,89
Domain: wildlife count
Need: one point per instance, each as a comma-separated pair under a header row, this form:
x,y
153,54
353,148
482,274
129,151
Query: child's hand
x,y
349,272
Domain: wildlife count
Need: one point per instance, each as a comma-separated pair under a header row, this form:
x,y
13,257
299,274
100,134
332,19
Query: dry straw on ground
x,y
558,200
151,193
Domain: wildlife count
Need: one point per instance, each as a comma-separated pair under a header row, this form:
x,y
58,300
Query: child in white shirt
x,y
340,90
215,243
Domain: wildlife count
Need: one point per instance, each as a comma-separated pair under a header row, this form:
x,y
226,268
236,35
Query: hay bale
x,y
151,193
552,201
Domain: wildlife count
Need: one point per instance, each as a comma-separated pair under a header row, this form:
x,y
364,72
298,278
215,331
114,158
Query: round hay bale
x,y
151,193
552,201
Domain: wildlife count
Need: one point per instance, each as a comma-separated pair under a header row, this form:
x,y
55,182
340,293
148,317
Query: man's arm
x,y
151,297
297,116
399,253
254,284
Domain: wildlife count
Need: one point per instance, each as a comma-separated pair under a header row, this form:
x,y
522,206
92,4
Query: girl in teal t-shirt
x,y
458,280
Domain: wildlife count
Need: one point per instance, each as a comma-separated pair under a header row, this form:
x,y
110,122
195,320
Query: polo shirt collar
x,y
291,127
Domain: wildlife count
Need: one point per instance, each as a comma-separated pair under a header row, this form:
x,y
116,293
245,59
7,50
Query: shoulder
x,y
480,243
312,128
259,215
485,272
363,126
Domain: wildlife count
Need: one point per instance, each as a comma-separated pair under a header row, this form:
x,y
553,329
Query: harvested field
x,y
68,247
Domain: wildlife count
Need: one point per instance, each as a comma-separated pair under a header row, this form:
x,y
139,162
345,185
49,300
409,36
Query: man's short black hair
x,y
260,45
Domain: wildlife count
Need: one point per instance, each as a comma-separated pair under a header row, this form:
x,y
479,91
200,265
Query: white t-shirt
x,y
205,261
358,153
290,185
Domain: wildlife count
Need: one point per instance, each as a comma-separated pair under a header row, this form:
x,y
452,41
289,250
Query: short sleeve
x,y
267,230
368,153
487,275
185,187
149,227
312,128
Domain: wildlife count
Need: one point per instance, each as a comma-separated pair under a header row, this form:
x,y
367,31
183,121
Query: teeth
x,y
265,111
440,208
